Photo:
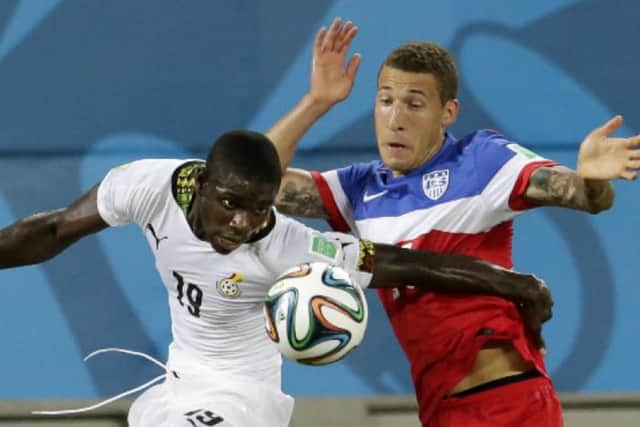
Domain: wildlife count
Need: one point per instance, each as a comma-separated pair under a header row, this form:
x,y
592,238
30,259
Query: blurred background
x,y
88,85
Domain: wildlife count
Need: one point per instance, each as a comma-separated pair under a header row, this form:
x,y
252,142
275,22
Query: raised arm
x,y
601,158
331,82
42,236
457,274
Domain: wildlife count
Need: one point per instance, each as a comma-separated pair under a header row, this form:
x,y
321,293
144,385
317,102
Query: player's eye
x,y
227,204
385,101
262,211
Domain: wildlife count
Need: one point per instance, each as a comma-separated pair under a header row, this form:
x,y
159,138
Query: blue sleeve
x,y
352,180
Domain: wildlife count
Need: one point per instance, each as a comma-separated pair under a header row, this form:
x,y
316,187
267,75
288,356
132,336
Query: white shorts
x,y
203,400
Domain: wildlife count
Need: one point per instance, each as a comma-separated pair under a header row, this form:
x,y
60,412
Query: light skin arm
x,y
601,158
460,274
299,196
561,186
42,236
332,79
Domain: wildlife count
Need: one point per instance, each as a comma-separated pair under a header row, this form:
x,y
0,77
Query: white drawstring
x,y
114,398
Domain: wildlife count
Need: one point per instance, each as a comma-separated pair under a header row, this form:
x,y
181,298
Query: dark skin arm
x,y
42,236
459,274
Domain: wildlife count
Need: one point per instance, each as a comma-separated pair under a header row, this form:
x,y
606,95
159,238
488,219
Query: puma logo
x,y
155,236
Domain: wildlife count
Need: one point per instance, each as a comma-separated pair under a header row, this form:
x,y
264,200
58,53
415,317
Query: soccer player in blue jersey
x,y
472,361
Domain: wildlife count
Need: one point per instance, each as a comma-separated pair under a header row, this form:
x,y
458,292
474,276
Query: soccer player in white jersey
x,y
219,245
432,191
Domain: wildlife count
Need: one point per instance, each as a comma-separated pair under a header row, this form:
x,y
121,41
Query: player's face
x,y
410,118
232,210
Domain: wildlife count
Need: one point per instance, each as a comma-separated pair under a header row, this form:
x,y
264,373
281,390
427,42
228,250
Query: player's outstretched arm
x,y
331,81
601,158
459,274
299,196
42,236
561,186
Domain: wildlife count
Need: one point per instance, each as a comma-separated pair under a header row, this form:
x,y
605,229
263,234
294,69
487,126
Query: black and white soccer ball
x,y
315,314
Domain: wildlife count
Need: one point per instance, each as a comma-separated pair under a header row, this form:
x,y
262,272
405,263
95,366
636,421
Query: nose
x,y
395,118
240,222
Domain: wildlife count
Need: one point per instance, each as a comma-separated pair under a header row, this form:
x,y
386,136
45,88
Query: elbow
x,y
603,203
596,209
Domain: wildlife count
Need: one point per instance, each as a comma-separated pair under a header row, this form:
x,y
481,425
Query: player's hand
x,y
537,309
536,305
331,77
602,157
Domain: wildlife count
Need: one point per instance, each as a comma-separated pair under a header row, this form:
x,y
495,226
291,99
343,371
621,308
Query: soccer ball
x,y
315,314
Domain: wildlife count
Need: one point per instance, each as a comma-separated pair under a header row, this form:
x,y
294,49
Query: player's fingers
x,y
609,127
332,34
633,142
532,316
346,42
343,33
352,67
628,175
633,164
539,340
317,45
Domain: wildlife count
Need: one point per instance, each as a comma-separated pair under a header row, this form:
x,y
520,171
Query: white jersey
x,y
215,300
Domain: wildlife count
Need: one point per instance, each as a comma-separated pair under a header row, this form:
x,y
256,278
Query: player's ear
x,y
201,180
450,112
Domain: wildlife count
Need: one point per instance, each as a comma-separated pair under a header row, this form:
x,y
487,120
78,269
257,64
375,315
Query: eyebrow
x,y
413,91
231,194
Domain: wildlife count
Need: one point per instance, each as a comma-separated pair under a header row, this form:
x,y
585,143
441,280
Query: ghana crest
x,y
228,287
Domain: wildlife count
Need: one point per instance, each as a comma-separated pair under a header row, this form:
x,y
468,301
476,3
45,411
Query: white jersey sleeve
x,y
292,243
129,193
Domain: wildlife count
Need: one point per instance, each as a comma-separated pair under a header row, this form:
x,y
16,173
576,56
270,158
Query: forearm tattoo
x,y
301,199
560,187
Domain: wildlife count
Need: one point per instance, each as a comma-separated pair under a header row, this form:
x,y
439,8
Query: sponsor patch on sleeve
x,y
519,149
122,166
324,247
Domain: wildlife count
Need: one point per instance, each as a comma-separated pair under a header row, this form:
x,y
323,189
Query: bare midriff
x,y
496,360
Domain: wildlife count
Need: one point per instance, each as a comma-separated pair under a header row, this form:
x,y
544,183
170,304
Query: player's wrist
x,y
318,102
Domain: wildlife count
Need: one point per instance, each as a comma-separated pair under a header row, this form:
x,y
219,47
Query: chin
x,y
395,165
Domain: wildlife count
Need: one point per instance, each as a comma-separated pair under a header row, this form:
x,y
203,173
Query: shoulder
x,y
140,186
286,239
358,172
483,140
487,148
146,171
285,228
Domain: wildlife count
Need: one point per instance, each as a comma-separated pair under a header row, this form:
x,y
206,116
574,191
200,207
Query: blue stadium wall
x,y
87,85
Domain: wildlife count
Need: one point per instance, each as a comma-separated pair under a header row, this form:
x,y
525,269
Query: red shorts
x,y
528,403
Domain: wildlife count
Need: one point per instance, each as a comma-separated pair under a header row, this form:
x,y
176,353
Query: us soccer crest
x,y
435,184
228,287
